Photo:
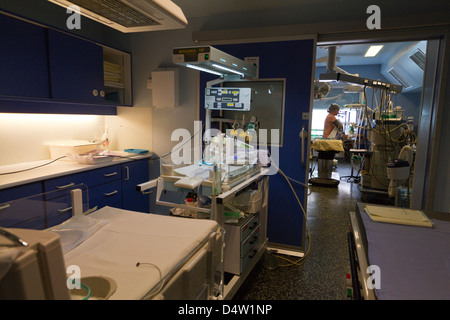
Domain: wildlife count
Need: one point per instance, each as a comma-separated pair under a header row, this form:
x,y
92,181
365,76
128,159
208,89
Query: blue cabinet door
x,y
90,178
108,194
22,207
76,69
134,173
23,59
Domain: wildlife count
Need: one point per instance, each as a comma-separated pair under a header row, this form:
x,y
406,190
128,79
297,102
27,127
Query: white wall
x,y
153,51
24,137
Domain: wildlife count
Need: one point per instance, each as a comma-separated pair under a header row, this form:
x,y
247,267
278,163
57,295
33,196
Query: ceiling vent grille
x,y
116,11
131,15
402,80
418,58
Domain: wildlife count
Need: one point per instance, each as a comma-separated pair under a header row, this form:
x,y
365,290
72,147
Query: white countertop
x,y
49,169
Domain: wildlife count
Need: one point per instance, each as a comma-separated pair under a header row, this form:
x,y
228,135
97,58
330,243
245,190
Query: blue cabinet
x,y
51,204
90,178
22,207
58,205
43,70
134,173
23,59
103,185
76,69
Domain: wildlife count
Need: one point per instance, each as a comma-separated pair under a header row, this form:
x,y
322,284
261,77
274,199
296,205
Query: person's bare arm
x,y
337,124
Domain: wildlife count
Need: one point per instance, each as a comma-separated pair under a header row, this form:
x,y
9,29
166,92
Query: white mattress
x,y
130,237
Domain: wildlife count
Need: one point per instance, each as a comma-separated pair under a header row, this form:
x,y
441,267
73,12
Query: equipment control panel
x,y
237,99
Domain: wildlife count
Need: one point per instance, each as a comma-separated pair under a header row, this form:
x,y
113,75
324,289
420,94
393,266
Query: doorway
x,y
376,126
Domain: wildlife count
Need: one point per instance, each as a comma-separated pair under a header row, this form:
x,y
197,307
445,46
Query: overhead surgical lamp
x,y
335,73
212,60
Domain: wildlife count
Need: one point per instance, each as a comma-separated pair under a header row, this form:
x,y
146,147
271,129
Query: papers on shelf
x,y
112,72
398,216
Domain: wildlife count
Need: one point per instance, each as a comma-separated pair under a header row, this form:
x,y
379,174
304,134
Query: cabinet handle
x,y
65,210
253,240
95,92
102,94
110,193
110,174
6,206
127,170
89,211
252,255
254,225
66,186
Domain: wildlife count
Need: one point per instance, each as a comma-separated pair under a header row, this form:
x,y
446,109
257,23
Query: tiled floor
x,y
323,274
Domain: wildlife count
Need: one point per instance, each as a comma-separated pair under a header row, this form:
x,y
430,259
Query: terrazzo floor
x,y
322,276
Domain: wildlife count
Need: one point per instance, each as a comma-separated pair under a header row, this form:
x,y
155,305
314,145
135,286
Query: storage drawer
x,y
251,242
109,194
248,227
24,213
90,178
28,214
59,209
248,258
240,239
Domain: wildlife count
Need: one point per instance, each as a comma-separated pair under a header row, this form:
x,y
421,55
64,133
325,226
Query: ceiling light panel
x,y
373,51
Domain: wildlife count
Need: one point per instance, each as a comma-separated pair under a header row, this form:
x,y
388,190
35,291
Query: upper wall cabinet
x,y
23,59
76,69
49,71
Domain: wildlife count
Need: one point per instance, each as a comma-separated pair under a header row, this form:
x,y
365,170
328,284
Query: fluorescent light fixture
x,y
373,51
217,66
210,59
204,69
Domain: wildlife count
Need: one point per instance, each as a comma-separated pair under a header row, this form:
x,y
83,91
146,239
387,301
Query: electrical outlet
x,y
305,116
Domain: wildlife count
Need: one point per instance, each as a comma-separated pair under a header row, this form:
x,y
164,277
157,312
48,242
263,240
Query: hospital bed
x,y
393,261
119,254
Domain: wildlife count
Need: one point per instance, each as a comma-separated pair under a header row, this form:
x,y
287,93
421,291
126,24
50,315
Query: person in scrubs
x,y
332,126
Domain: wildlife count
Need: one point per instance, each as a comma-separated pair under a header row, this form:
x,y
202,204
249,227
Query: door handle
x,y
303,135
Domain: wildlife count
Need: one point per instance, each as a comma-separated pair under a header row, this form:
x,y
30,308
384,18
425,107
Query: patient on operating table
x,y
332,126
